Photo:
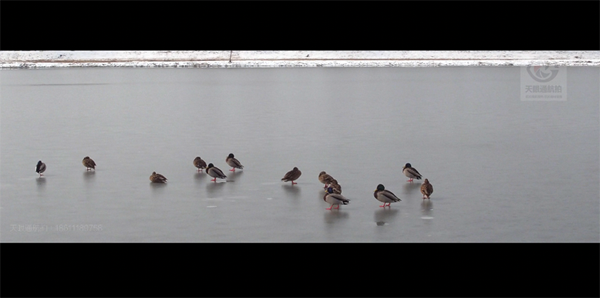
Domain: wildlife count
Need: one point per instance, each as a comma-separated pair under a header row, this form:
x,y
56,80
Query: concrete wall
x,y
43,59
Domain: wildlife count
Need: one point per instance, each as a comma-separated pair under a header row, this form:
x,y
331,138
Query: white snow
x,y
243,59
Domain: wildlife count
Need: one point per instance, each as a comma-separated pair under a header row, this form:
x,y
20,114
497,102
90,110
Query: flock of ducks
x,y
213,171
333,194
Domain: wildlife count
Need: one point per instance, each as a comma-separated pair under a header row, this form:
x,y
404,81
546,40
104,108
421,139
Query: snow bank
x,y
243,59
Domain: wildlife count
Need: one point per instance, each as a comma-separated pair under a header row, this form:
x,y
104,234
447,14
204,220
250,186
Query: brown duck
x,y
426,189
325,179
199,163
292,175
88,163
157,178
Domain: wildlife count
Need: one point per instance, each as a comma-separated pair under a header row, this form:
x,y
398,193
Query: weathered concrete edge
x,y
287,64
275,59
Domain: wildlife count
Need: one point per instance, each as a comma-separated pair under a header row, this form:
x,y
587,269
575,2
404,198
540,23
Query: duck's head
x,y
153,173
322,173
210,165
380,187
295,168
330,189
230,155
426,181
86,157
407,165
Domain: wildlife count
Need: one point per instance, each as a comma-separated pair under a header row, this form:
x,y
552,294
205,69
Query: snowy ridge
x,y
257,59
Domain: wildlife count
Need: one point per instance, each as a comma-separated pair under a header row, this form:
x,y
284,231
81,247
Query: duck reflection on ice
x,y
157,188
292,190
426,207
89,175
233,175
212,188
385,216
41,181
200,177
335,215
157,185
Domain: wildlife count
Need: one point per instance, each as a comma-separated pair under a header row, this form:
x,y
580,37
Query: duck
x,y
40,168
325,179
199,163
157,178
426,189
214,172
89,163
385,196
411,172
334,199
337,188
292,175
233,162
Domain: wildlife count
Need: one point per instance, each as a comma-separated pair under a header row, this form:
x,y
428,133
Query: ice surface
x,y
503,170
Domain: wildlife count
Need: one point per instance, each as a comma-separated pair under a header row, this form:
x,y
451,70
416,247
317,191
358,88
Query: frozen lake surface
x,y
503,170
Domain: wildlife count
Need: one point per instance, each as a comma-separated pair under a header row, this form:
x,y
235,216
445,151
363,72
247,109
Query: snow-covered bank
x,y
255,59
